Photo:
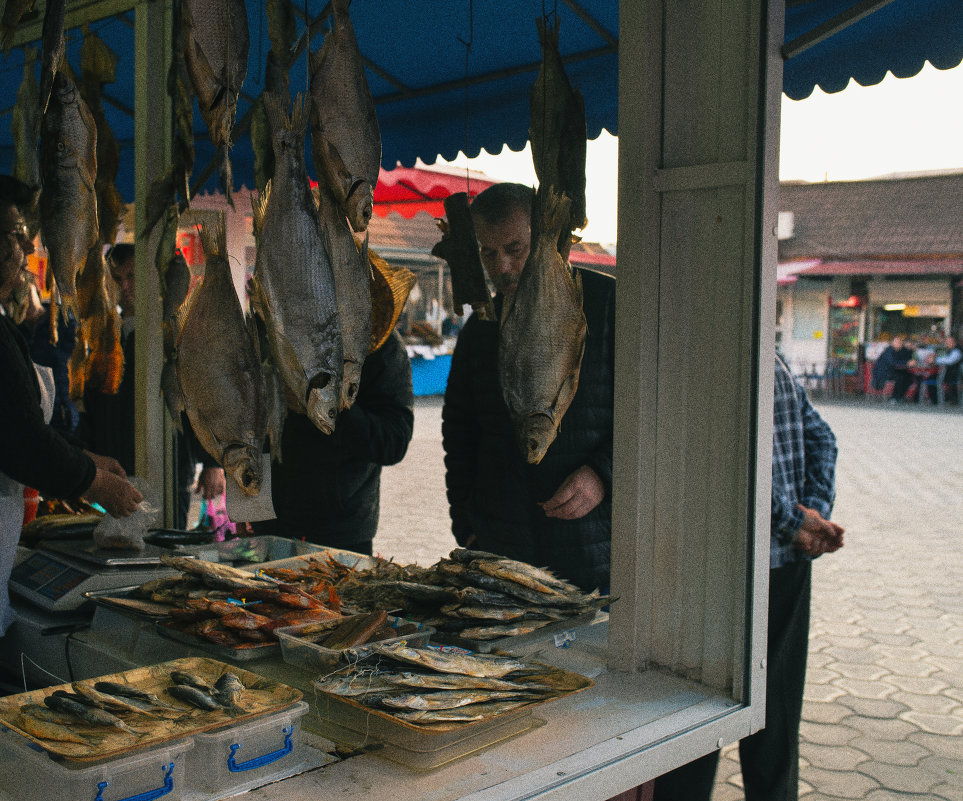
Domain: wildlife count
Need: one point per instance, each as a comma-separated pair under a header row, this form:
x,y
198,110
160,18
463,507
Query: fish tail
x,y
278,118
214,239
258,205
548,36
226,173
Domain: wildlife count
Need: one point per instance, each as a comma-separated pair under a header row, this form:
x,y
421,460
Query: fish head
x,y
535,433
350,383
359,206
324,396
243,464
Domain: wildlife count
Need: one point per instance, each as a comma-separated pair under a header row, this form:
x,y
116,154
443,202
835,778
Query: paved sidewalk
x,y
883,718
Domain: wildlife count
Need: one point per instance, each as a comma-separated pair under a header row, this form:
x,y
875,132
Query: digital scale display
x,y
47,577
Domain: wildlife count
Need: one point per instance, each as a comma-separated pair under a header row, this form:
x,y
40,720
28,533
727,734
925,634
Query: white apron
x,y
11,506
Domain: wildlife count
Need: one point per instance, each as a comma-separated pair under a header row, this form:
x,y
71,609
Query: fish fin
x,y
214,239
258,206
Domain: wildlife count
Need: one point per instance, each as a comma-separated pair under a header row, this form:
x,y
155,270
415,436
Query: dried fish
x,y
497,632
459,247
190,680
448,699
127,691
294,290
465,713
88,714
193,696
58,727
106,701
345,138
68,202
25,129
352,284
13,10
219,370
542,334
527,575
557,134
451,681
214,37
53,48
222,574
482,665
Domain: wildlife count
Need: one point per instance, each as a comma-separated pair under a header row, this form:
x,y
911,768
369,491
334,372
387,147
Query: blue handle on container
x,y
148,795
266,759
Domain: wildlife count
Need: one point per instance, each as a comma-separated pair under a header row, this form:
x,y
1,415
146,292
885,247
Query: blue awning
x,y
455,76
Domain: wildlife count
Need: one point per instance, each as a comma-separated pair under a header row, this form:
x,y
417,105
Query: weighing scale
x,y
56,576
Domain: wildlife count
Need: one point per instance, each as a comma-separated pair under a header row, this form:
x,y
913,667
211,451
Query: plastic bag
x,y
127,533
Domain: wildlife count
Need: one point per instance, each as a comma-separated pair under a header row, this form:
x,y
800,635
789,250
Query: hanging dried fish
x,y
13,10
53,48
459,247
214,36
219,370
294,289
68,202
345,137
25,129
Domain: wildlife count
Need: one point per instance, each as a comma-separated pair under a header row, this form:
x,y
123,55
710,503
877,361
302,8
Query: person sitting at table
x,y
951,376
893,365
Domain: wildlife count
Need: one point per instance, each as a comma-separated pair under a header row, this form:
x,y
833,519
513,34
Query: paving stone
x,y
865,655
954,692
880,728
909,668
840,784
943,769
907,654
821,675
893,752
889,795
873,708
897,777
826,733
930,704
948,792
821,712
883,638
862,672
949,725
866,689
822,692
924,685
937,744
947,663
818,659
833,757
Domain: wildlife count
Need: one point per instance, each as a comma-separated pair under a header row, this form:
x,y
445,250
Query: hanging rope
x,y
468,44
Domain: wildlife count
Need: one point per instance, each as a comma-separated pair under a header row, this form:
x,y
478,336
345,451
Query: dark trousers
x,y
769,758
902,381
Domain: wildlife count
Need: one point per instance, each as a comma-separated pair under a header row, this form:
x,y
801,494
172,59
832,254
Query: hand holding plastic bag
x,y
127,533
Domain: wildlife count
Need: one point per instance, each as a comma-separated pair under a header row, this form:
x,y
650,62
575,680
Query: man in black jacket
x,y
555,514
326,489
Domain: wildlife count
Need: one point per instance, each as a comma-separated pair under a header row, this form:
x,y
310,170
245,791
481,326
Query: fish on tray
x,y
482,665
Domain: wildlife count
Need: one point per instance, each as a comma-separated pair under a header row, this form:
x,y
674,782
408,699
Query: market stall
x,y
678,667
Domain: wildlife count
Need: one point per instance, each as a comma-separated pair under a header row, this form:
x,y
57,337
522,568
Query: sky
x,y
900,125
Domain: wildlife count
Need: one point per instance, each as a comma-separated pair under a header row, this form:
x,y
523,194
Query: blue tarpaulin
x,y
453,76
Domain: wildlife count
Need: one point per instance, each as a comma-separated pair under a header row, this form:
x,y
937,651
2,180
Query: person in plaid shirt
x,y
803,490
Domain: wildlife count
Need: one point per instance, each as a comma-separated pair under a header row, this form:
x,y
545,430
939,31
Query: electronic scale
x,y
56,576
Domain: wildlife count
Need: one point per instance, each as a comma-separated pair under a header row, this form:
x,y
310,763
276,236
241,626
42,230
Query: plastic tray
x,y
232,760
26,771
545,636
250,551
241,654
443,752
300,651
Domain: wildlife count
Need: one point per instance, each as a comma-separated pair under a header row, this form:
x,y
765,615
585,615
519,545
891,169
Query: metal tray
x,y
245,653
525,643
88,551
261,697
121,600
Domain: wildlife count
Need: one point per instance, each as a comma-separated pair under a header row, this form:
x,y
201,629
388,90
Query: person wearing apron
x,y
31,452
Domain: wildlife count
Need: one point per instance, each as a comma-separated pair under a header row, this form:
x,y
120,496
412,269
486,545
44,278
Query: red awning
x,y
408,190
598,259
904,267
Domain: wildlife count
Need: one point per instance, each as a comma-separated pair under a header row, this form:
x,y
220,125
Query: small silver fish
x,y
465,713
448,699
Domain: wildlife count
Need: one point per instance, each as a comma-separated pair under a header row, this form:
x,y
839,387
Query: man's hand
x,y
817,535
108,463
117,495
210,483
578,495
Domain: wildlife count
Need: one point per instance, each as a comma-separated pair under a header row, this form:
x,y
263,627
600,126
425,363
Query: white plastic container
x,y
237,758
26,771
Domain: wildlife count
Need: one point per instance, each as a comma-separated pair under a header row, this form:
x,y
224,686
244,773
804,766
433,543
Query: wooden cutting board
x,y
260,697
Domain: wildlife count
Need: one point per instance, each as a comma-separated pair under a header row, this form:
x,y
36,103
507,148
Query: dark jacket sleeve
x,y
459,433
31,452
379,425
600,460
